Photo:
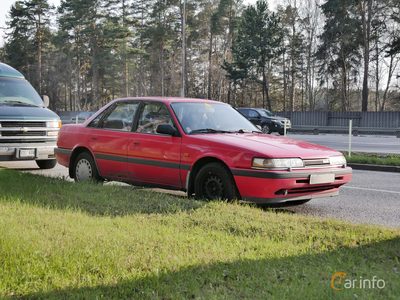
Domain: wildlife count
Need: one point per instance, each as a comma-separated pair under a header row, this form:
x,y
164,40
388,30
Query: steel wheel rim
x,y
213,187
265,129
83,170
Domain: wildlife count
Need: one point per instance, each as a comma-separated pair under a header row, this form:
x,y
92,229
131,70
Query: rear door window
x,y
120,116
151,114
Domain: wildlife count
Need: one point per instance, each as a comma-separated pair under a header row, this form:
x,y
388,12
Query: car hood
x,y
266,145
27,113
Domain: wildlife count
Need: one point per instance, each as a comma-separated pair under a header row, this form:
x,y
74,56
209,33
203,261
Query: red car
x,y
203,147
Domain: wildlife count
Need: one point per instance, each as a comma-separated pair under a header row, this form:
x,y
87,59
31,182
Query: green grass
x,y
390,160
61,240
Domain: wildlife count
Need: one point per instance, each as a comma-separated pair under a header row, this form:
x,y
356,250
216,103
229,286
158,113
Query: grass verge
x,y
63,240
390,160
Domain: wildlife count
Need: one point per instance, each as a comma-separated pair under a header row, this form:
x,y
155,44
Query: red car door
x,y
152,157
109,139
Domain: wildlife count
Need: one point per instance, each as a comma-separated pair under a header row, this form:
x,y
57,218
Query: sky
x,y
6,5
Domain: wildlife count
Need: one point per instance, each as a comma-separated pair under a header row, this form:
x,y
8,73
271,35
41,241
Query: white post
x,y
284,128
350,131
76,119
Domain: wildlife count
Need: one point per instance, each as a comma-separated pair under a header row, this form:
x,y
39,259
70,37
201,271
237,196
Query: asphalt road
x,y
368,143
370,197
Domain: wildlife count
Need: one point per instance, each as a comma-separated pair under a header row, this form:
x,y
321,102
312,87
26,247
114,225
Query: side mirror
x,y
46,100
258,117
166,129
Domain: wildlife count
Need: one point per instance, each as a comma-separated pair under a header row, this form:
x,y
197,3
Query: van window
x,y
18,92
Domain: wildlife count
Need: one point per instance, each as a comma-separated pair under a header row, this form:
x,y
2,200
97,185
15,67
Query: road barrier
x,y
344,129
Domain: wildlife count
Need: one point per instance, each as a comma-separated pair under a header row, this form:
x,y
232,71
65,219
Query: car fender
x,y
201,161
76,150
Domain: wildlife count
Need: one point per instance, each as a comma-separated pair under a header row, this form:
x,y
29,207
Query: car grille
x,y
316,163
24,131
10,124
312,189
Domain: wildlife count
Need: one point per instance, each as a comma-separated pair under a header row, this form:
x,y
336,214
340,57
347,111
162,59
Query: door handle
x,y
136,143
94,138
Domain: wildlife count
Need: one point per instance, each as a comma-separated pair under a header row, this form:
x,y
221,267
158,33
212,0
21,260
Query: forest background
x,y
304,55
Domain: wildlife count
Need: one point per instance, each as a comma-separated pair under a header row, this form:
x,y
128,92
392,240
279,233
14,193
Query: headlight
x,y
274,120
273,163
339,160
53,124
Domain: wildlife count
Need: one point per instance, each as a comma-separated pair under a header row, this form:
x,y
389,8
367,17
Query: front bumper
x,y
278,126
40,151
261,186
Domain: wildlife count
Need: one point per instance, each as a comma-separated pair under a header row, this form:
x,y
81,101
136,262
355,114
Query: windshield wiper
x,y
244,131
21,103
208,130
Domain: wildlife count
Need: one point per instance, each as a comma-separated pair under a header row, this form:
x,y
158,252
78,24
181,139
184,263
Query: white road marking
x,y
366,189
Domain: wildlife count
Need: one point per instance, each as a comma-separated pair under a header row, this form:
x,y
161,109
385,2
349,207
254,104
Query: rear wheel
x,y
266,129
214,181
85,168
46,164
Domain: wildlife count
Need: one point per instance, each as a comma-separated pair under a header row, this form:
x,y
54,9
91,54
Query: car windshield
x,y
266,113
203,117
18,92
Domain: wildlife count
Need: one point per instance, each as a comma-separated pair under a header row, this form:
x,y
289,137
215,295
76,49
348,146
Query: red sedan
x,y
203,147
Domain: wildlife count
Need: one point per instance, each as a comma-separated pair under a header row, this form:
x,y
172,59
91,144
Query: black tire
x,y
215,181
46,164
282,132
266,128
85,168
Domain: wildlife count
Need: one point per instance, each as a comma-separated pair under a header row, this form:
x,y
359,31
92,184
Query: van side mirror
x,y
46,100
166,129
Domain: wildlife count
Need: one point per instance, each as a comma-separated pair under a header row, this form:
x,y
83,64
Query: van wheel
x,y
266,129
215,181
85,168
46,164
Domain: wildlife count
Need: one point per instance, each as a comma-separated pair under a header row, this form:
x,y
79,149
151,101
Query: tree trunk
x,y
229,93
39,33
377,100
392,67
366,37
96,98
284,81
209,66
78,74
162,69
265,90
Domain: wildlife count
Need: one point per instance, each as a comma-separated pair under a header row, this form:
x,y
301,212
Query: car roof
x,y
256,108
10,72
168,100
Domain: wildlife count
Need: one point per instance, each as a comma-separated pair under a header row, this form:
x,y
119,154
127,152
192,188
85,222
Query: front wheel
x,y
46,164
266,129
85,168
215,181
